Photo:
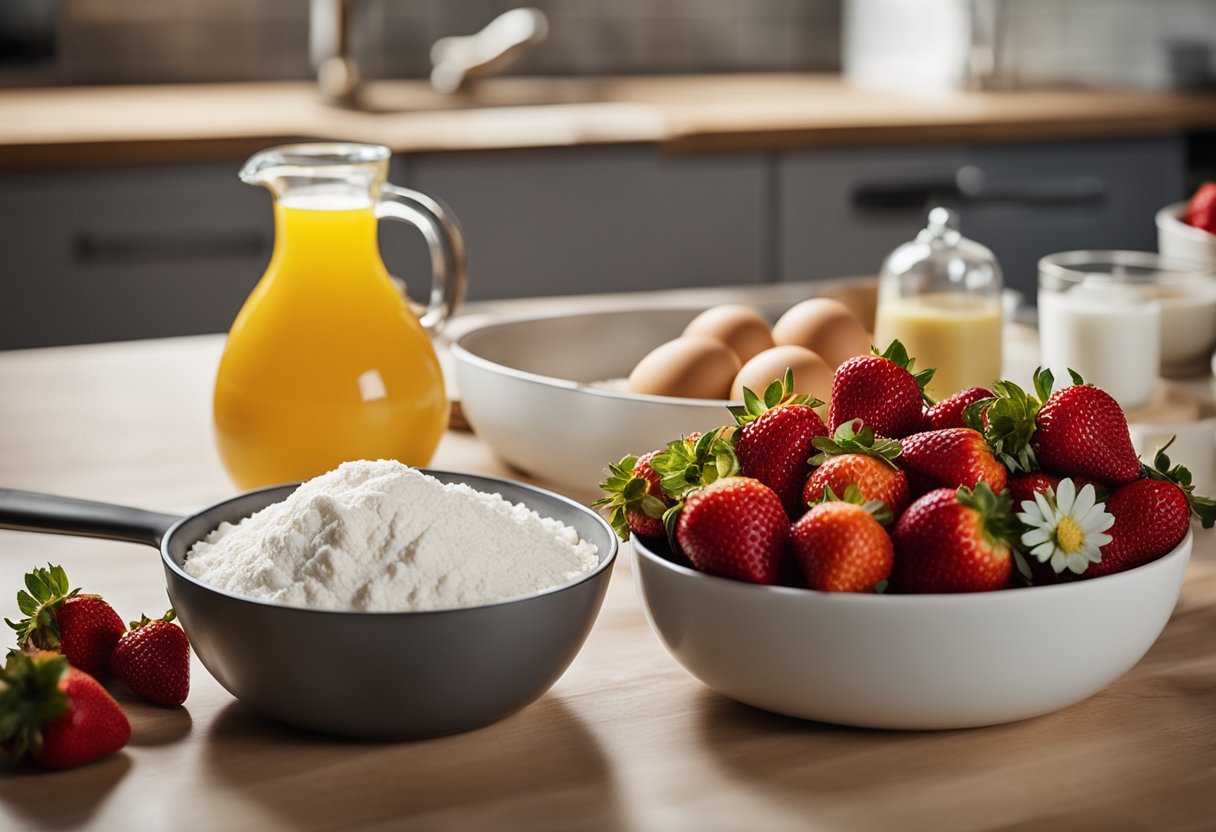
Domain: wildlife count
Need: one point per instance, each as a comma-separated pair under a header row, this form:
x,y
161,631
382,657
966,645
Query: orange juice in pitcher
x,y
325,361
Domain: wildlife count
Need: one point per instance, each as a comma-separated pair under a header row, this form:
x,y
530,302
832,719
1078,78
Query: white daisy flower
x,y
1067,527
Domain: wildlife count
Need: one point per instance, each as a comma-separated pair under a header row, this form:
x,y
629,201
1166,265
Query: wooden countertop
x,y
138,124
624,740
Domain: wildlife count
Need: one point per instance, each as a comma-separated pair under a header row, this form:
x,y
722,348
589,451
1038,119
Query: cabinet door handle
x,y
89,249
971,186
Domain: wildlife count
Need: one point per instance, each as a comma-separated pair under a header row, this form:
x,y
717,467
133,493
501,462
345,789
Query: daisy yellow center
x,y
1069,535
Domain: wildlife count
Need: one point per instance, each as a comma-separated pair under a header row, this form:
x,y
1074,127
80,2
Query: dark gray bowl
x,y
402,675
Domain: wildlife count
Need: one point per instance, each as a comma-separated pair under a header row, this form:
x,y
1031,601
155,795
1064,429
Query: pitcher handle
x,y
449,268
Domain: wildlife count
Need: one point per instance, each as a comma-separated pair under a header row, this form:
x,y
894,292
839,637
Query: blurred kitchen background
x,y
152,226
1138,42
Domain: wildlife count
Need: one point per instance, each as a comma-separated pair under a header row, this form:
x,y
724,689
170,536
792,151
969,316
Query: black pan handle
x,y
29,511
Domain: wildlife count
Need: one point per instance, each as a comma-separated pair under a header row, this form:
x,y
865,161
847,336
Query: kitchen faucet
x,y
455,60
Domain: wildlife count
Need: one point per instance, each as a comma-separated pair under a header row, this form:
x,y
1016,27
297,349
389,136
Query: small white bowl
x,y
526,389
1177,240
908,661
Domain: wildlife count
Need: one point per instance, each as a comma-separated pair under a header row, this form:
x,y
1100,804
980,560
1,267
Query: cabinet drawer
x,y
595,220
842,212
118,254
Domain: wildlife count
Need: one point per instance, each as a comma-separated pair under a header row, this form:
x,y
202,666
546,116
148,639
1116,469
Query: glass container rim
x,y
1069,267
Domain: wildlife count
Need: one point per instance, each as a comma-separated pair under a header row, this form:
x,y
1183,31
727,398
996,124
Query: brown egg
x,y
825,326
691,366
740,327
812,375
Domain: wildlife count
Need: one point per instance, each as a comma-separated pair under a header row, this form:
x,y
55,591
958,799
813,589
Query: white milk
x,y
1107,332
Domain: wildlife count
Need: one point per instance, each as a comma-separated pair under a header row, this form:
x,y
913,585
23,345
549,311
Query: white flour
x,y
384,537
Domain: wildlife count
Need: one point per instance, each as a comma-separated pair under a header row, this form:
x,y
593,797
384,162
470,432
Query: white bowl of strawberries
x,y
993,557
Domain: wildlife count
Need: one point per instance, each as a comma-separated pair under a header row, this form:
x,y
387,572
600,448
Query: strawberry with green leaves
x,y
954,540
775,438
841,545
953,457
853,457
1081,431
1152,516
84,628
153,660
1078,431
56,714
882,391
634,500
724,523
737,528
691,463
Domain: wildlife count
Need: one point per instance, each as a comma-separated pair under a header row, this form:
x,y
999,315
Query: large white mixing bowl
x,y
526,389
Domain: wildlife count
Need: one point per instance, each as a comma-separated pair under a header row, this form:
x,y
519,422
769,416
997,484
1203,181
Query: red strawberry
x,y
1024,486
855,457
1081,431
842,547
735,527
948,413
1078,431
1152,516
954,541
775,439
1201,210
634,497
881,391
82,627
953,457
59,715
153,660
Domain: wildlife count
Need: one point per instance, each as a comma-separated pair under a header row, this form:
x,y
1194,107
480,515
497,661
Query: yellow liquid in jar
x,y
325,362
959,335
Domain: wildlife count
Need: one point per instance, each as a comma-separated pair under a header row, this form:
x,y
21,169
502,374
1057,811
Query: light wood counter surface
x,y
86,126
625,740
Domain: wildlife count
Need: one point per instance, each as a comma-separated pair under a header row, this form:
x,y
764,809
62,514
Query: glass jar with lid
x,y
940,295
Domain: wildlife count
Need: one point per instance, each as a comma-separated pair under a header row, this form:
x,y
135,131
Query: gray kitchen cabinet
x,y
842,211
583,220
114,254
110,254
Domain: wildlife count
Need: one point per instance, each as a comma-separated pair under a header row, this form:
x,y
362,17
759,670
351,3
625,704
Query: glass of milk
x,y
1101,316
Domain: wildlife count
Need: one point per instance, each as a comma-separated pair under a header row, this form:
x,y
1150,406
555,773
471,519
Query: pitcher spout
x,y
359,166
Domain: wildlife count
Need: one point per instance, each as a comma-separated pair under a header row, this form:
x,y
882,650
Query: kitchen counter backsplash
x,y
169,41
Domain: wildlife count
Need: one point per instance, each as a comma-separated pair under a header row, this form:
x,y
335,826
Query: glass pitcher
x,y
326,362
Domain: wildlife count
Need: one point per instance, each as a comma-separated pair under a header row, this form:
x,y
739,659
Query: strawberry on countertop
x,y
153,660
881,391
60,716
84,628
775,438
854,457
954,540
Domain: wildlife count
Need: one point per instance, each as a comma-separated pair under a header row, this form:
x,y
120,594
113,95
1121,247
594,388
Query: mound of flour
x,y
384,537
